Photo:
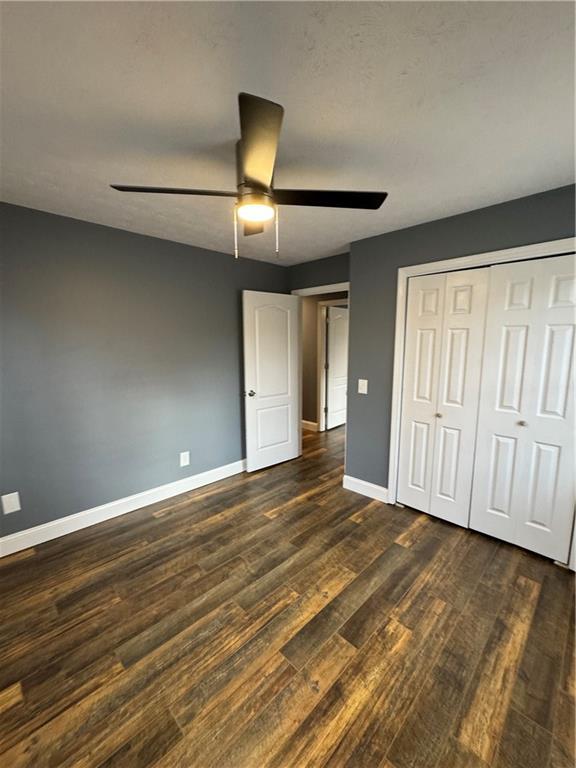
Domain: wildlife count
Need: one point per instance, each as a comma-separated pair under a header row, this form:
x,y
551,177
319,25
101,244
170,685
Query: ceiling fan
x,y
256,197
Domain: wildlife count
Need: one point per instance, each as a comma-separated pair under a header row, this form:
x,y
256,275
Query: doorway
x,y
324,384
274,394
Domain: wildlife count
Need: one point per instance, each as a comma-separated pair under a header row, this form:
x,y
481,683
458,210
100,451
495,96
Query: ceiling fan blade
x,y
173,191
260,123
330,198
253,228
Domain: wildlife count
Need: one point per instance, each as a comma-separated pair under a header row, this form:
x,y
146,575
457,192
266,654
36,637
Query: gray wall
x,y
310,359
373,270
118,352
333,269
328,271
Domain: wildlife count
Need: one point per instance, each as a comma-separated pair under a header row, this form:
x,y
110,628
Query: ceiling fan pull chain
x,y
277,235
235,231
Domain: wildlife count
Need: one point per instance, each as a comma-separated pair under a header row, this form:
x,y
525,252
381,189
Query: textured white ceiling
x,y
448,106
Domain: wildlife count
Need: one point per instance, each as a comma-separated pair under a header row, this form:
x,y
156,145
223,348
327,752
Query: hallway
x,y
276,619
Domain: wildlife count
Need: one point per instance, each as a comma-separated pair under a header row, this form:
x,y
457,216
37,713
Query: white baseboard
x,y
311,426
371,490
56,528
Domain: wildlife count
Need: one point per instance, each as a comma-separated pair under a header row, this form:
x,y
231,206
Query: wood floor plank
x,y
563,724
212,591
541,668
421,738
259,742
374,611
42,705
268,641
559,758
381,665
456,755
523,742
10,696
416,530
211,733
366,742
489,696
147,746
331,618
318,735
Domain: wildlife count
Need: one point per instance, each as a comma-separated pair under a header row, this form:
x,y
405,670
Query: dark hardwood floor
x,y
275,619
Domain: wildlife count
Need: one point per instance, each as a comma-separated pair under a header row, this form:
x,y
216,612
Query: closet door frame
x,y
523,253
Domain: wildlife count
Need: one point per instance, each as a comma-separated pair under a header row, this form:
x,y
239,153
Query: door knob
x,y
251,393
522,423
438,415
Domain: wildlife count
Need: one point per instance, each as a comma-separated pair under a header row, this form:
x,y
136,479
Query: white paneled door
x,y
523,488
337,373
444,338
458,392
425,314
271,378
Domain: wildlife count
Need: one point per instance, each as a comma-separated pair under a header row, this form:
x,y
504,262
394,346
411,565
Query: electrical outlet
x,y
11,503
185,459
362,386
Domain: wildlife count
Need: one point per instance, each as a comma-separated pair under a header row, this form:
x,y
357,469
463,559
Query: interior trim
x,y
318,289
31,537
365,488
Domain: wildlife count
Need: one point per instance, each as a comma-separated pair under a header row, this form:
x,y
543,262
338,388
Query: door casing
x,y
321,338
321,357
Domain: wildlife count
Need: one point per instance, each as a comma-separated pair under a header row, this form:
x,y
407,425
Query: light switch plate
x,y
11,503
362,386
185,459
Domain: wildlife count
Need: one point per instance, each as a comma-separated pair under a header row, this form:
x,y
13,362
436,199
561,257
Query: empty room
x,y
287,386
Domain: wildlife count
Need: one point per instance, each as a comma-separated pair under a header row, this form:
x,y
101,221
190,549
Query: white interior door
x,y
444,337
271,378
337,370
458,393
424,318
524,478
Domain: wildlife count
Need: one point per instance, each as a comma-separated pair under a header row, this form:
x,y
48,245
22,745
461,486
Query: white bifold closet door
x,y
524,479
442,370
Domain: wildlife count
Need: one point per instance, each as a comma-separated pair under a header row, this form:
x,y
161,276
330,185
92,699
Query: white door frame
x,y
317,290
522,253
321,358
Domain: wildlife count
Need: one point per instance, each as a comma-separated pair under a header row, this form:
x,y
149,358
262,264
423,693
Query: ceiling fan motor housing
x,y
250,196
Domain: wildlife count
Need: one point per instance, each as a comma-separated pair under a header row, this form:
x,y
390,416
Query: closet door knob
x,y
251,393
438,415
522,423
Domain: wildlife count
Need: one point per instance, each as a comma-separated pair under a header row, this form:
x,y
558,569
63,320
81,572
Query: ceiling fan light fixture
x,y
255,208
255,212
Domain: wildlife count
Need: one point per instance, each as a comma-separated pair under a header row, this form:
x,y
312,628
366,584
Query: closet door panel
x,y
458,393
424,320
523,488
544,521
